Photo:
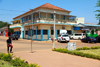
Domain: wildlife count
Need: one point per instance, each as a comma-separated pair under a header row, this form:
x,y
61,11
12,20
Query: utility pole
x,y
54,32
32,32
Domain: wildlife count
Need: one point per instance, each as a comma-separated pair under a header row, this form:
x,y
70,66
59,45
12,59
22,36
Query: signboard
x,y
63,31
84,28
30,32
71,46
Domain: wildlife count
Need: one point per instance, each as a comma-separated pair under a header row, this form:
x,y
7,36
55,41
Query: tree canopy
x,y
98,11
3,24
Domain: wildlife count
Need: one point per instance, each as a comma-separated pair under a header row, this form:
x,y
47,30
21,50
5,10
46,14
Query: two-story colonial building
x,y
42,19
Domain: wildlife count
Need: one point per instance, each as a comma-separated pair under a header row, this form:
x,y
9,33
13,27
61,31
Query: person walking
x,y
9,44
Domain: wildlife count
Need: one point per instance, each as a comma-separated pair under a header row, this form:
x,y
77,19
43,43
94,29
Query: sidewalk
x,y
26,40
48,58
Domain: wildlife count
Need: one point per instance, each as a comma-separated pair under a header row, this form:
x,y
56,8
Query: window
x,y
78,34
64,35
26,18
34,32
26,32
52,16
37,15
44,32
38,32
69,31
64,17
72,18
58,32
29,17
52,32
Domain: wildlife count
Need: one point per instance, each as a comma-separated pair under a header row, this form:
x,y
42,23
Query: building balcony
x,y
15,25
50,21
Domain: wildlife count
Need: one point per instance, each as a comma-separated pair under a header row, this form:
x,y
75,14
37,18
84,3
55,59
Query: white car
x,y
77,36
63,37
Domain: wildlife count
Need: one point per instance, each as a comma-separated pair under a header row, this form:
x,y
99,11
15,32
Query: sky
x,y
79,8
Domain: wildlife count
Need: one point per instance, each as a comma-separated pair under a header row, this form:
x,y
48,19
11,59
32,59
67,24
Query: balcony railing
x,y
49,20
13,25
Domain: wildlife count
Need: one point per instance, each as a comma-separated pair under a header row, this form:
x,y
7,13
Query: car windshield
x,y
64,35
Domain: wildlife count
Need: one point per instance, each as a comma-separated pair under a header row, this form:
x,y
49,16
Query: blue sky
x,y
80,8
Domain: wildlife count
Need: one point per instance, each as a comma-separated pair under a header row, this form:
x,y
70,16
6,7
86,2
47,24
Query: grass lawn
x,y
5,64
92,51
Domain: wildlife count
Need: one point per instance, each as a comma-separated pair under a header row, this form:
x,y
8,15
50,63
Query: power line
x,y
12,10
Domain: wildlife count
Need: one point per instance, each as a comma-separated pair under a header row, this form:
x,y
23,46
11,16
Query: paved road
x,y
43,55
25,45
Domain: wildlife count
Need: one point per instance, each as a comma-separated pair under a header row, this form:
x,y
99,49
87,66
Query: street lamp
x,y
54,31
32,31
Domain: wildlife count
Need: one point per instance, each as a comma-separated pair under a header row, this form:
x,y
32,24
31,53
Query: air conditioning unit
x,y
63,27
52,27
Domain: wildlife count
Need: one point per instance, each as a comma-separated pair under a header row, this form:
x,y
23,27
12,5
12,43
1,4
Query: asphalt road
x,y
25,45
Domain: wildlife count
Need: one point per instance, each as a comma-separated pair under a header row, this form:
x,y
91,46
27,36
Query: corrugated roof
x,y
48,6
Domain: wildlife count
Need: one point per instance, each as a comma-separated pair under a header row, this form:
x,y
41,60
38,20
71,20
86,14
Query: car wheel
x,y
16,38
79,38
60,41
95,42
67,41
13,38
72,38
89,41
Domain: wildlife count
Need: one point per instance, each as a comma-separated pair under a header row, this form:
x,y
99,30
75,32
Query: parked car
x,y
89,39
14,37
77,36
63,37
98,38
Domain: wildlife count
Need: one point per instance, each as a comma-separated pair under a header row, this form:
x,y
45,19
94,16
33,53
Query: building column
x,y
22,32
25,35
41,34
16,32
48,34
39,16
36,34
71,32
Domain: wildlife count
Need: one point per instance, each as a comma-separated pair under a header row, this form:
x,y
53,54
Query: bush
x,y
97,47
85,48
80,53
6,57
1,54
18,62
21,63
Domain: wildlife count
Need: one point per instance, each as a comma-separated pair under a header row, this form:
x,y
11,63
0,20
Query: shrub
x,y
21,63
85,48
1,54
80,53
6,57
18,62
79,49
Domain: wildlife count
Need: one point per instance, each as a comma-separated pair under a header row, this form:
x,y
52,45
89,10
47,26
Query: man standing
x,y
9,44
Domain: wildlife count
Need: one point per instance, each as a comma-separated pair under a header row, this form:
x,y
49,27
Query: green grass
x,y
5,64
91,51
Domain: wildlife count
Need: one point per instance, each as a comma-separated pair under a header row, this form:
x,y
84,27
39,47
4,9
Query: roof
x,y
91,23
86,25
48,6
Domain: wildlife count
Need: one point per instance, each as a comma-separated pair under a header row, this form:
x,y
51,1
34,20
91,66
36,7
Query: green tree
x,y
98,11
3,24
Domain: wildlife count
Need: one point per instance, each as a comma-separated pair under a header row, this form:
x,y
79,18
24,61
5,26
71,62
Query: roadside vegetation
x,y
9,60
93,52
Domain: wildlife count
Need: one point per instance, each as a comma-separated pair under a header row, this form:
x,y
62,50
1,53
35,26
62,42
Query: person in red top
x,y
9,44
